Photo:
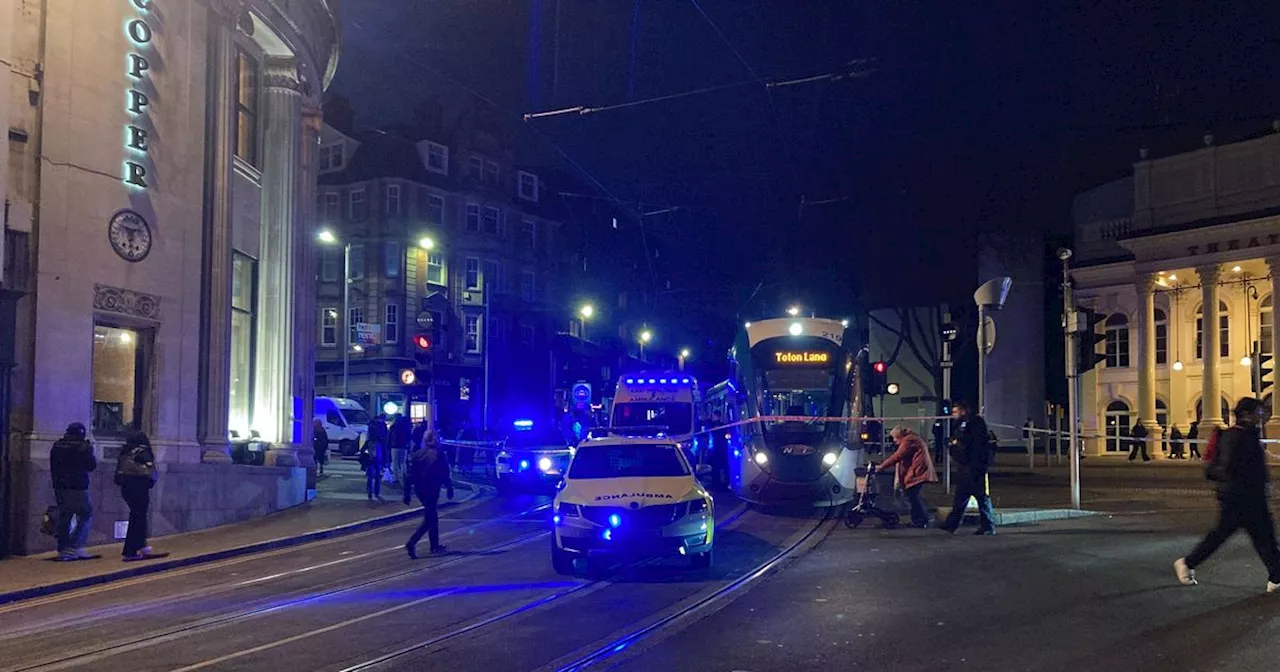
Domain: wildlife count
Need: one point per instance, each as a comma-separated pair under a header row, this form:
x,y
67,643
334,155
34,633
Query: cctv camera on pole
x,y
1071,326
990,296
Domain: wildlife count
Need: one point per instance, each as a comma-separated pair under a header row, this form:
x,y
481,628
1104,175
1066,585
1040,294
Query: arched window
x,y
1162,419
1224,331
1225,409
1117,341
1162,339
1264,330
1118,422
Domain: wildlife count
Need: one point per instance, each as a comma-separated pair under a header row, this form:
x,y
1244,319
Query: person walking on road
x,y
914,467
71,460
136,475
400,436
428,473
972,451
1139,437
1193,440
320,445
1239,466
1175,443
373,457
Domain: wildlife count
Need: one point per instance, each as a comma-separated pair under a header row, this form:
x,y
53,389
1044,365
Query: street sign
x,y
426,320
368,333
582,392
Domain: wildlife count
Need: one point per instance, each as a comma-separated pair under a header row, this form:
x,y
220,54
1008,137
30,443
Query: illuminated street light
x,y
587,311
326,236
1246,361
793,311
685,353
646,336
1177,366
426,243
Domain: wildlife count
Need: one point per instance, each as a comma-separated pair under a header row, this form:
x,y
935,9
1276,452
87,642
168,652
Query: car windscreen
x,y
548,437
627,461
356,416
674,416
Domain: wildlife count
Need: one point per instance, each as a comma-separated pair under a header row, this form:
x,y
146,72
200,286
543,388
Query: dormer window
x,y
437,158
528,186
331,157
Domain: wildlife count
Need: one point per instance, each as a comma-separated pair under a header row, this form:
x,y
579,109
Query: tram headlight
x,y
545,464
761,459
829,459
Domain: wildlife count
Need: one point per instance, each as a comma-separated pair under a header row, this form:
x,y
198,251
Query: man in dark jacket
x,y
374,457
428,472
1138,435
971,449
1239,467
71,461
399,438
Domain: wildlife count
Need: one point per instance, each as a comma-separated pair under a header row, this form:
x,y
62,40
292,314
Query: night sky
x,y
976,117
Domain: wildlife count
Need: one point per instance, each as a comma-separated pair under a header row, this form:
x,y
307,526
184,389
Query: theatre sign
x,y
141,39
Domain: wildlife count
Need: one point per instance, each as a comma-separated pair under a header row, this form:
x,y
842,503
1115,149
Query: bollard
x,y
1031,447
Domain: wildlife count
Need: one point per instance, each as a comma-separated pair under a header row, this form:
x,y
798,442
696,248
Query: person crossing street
x,y
971,449
428,472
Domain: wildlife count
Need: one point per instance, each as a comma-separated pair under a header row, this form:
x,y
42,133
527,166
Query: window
x,y
527,288
528,187
357,261
1223,408
393,199
526,336
329,326
331,157
392,257
1117,341
1162,339
246,108
491,173
529,234
358,205
330,265
356,316
473,273
391,325
1118,421
1224,331
491,276
435,268
435,209
119,377
437,158
491,220
473,334
1266,335
477,168
332,206
473,217
498,329
243,291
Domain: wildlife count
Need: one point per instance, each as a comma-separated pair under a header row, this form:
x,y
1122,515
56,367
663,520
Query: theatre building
x,y
159,261
1181,260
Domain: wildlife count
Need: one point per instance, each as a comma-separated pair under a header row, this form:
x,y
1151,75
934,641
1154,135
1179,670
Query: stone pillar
x,y
215,318
1210,354
305,307
1273,425
277,262
1147,362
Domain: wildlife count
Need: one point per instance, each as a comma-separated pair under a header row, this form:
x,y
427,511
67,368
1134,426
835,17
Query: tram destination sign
x,y
805,357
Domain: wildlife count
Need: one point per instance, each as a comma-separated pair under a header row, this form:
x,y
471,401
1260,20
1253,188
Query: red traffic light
x,y
880,367
423,341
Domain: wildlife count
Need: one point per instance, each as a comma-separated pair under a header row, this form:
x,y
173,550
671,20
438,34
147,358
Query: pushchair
x,y
864,505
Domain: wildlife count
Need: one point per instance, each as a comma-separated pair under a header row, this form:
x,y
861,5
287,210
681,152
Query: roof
x,y
381,155
1205,223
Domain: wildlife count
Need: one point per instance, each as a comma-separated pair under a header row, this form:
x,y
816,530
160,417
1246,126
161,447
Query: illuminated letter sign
x,y
138,67
802,357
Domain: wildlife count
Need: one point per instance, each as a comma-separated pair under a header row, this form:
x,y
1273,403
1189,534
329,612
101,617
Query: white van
x,y
345,421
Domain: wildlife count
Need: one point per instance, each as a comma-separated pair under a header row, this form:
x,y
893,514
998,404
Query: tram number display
x,y
802,357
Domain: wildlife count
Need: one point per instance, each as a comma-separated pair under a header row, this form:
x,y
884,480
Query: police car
x,y
633,497
531,454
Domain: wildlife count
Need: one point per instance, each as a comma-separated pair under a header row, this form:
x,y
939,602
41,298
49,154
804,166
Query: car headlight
x,y
568,510
545,464
697,506
829,459
761,459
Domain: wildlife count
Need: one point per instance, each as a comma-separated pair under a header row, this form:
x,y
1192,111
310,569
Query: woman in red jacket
x,y
914,468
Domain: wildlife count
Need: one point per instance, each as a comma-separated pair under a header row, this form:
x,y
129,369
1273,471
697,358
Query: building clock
x,y
130,235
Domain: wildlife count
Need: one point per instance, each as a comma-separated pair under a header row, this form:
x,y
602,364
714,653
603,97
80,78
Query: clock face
x,y
130,235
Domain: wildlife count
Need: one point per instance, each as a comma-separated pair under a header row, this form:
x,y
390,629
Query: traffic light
x,y
424,358
1088,339
874,382
944,407
1262,367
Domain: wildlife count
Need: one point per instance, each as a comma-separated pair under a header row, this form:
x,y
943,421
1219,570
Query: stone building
x,y
160,190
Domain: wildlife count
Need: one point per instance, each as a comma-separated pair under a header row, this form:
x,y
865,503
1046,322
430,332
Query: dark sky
x,y
978,117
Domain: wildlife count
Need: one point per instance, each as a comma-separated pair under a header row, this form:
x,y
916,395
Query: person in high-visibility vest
x,y
972,450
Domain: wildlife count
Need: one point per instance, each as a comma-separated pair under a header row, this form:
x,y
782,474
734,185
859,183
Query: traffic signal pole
x,y
1070,329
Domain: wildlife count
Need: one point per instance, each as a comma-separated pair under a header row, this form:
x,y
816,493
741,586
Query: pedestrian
x,y
428,473
136,475
71,460
1239,467
320,445
972,451
1138,435
1175,443
373,457
400,436
913,468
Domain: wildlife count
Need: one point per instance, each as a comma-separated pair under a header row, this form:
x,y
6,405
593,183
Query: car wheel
x,y
853,519
701,560
347,448
561,561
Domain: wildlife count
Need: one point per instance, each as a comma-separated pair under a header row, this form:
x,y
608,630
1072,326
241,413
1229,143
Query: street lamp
x,y
793,311
328,238
586,311
645,337
684,355
426,243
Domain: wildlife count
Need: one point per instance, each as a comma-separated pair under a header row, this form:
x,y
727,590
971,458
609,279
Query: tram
x,y
794,388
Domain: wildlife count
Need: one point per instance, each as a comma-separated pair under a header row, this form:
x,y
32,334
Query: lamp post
x,y
587,311
645,337
684,355
328,238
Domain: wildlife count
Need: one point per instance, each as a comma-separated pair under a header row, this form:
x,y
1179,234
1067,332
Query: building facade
x,y
161,165
1183,259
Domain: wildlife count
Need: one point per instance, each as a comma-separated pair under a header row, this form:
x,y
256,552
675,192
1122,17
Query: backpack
x,y
127,465
1213,469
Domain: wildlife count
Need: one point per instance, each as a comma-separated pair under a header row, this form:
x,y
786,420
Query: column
x,y
215,318
273,405
1210,354
1147,362
1273,425
305,307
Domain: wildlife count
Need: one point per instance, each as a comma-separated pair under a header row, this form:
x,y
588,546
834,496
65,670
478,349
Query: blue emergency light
x,y
523,424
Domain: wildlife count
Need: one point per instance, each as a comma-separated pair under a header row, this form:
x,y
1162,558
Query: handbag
x,y
49,523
